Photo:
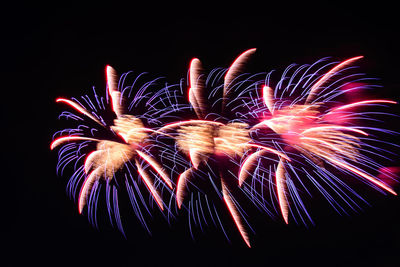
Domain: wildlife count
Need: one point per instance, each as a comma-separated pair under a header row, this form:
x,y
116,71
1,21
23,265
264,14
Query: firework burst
x,y
319,130
251,136
127,146
222,139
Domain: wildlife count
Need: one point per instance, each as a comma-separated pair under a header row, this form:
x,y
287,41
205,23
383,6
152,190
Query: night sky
x,y
62,49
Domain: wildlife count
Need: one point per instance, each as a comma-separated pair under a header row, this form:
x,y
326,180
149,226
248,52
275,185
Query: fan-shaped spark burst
x,y
111,156
303,127
200,139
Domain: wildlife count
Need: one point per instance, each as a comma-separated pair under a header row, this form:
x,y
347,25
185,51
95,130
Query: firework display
x,y
248,136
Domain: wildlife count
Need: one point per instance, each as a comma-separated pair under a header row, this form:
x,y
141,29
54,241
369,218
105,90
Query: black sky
x,y
62,49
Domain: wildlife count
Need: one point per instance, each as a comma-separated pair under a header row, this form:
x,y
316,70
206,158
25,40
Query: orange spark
x,y
181,185
280,181
234,70
235,214
268,96
149,185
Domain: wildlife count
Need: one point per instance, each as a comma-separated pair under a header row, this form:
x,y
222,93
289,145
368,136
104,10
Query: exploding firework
x,y
244,132
126,148
318,131
223,139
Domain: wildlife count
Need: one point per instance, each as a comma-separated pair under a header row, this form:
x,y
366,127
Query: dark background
x,y
61,50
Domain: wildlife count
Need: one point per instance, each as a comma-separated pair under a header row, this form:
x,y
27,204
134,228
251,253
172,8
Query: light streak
x,y
268,95
234,70
70,138
235,214
247,164
365,102
363,174
280,182
156,166
86,187
195,158
271,150
146,179
181,185
79,108
328,127
329,74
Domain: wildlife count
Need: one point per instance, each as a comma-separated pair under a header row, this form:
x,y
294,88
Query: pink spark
x,y
111,75
373,101
64,139
389,174
78,108
335,127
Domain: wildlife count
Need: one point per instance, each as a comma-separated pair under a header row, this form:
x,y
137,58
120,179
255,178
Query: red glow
x,y
337,117
353,90
389,175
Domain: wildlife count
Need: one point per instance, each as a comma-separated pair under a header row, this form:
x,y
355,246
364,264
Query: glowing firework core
x,y
230,139
131,129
